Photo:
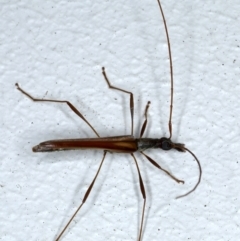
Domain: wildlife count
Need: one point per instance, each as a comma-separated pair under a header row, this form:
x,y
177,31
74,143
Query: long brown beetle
x,y
121,144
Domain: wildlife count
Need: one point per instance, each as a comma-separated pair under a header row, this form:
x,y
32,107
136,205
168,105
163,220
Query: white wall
x,y
55,49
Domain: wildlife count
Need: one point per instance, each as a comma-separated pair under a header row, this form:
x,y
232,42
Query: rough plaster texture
x,y
55,49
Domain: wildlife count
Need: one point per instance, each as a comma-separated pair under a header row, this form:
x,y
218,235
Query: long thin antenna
x,y
199,177
171,70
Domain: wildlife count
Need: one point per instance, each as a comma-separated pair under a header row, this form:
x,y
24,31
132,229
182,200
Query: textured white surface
x,y
56,50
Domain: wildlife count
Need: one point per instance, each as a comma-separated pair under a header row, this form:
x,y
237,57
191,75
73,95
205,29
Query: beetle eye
x,y
166,145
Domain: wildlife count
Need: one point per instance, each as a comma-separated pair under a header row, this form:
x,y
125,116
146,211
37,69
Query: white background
x,y
55,49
